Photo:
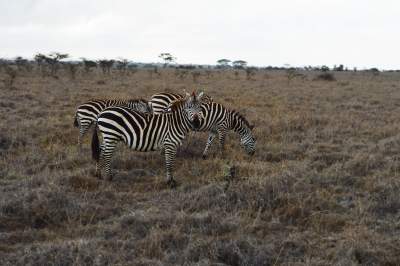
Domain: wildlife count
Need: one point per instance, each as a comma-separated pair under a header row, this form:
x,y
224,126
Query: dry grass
x,y
323,187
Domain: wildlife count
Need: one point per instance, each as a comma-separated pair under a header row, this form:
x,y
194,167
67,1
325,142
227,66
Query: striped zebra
x,y
217,120
86,114
145,132
159,102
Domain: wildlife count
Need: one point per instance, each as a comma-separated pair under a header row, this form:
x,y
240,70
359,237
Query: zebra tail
x,y
95,145
76,121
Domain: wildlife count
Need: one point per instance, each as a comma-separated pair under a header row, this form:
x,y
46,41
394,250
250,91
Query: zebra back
x,y
91,109
161,102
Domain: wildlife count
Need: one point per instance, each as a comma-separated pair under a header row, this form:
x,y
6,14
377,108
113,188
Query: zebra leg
x,y
211,137
83,129
99,164
107,150
221,137
170,153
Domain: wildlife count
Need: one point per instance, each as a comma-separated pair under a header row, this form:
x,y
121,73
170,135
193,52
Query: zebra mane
x,y
173,106
240,116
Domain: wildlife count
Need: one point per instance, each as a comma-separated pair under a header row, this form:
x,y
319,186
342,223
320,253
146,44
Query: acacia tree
x,y
22,63
88,64
122,65
53,60
168,58
41,63
239,64
106,65
223,63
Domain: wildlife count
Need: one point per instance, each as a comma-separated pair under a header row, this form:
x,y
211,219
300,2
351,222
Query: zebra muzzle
x,y
196,122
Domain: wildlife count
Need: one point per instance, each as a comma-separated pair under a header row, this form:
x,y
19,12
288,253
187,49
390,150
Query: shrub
x,y
326,76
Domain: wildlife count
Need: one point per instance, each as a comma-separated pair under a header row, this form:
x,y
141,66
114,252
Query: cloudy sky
x,y
359,33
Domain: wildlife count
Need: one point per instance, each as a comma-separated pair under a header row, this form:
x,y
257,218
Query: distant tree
x,y
122,65
106,65
338,68
239,64
53,60
223,63
324,68
88,64
41,63
22,63
374,71
168,58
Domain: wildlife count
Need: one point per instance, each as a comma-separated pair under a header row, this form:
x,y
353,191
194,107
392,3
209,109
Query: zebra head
x,y
192,108
144,107
247,140
140,105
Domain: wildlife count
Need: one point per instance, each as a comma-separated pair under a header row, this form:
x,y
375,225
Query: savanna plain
x,y
322,188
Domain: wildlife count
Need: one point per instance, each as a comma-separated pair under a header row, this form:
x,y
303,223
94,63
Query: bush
x,y
326,76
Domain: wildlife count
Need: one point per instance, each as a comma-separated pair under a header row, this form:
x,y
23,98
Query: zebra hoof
x,y
172,183
204,156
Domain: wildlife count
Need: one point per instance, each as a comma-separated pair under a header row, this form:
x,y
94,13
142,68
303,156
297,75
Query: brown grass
x,y
322,188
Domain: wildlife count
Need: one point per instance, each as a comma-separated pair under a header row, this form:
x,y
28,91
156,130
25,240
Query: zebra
x,y
217,120
145,132
159,102
86,113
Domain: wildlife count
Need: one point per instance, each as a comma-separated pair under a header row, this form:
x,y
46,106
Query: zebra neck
x,y
236,124
179,123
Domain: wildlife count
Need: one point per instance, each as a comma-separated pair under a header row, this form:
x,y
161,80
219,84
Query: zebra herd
x,y
158,124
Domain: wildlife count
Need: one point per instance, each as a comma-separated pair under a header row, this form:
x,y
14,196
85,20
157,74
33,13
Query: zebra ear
x,y
187,95
192,97
201,94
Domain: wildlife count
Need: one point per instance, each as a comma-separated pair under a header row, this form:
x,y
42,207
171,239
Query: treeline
x,y
50,64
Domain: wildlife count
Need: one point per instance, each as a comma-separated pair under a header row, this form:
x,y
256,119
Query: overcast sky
x,y
359,33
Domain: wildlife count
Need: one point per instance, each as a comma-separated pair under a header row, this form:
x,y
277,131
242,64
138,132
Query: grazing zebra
x,y
159,102
145,132
217,120
87,113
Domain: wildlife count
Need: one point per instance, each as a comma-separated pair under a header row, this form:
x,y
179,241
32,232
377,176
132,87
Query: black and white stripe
x,y
218,120
86,114
160,102
143,132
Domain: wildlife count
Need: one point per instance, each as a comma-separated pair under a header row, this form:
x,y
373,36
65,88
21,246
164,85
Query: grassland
x,y
323,187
